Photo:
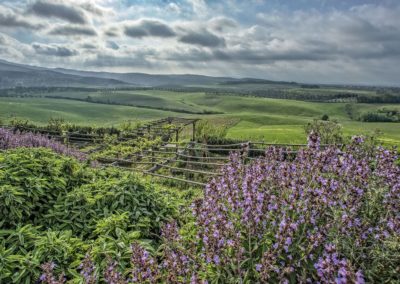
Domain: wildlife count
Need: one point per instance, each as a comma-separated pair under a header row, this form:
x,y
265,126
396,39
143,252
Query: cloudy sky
x,y
327,41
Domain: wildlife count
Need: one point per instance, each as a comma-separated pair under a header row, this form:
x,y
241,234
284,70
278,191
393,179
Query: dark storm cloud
x,y
202,38
73,31
58,10
145,28
10,19
53,50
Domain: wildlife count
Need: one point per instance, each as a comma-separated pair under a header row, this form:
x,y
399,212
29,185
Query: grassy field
x,y
40,110
273,120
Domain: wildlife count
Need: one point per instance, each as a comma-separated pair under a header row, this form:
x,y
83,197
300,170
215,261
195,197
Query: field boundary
x,y
190,162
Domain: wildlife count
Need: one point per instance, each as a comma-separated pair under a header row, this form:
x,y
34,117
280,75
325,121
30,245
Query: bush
x,y
30,183
329,132
207,133
81,209
55,208
328,216
378,117
10,140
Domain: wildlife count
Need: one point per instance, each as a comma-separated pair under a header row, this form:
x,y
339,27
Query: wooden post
x,y
245,151
152,156
194,131
176,139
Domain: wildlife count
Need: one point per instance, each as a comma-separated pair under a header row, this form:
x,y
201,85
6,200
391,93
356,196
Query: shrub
x,y
209,133
10,140
30,183
81,209
378,117
328,216
330,132
54,209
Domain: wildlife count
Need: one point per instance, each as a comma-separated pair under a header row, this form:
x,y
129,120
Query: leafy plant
x,y
330,215
30,182
55,209
329,132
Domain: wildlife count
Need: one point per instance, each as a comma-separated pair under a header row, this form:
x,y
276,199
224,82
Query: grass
x,y
272,120
40,110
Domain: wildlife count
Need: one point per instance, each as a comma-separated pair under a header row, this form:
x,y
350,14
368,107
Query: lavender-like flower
x,y
275,220
48,274
332,269
112,275
10,140
88,270
144,267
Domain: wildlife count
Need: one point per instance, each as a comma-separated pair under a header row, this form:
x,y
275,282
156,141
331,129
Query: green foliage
x,y
56,124
31,180
113,148
272,120
350,110
381,115
133,202
325,117
20,122
54,208
209,133
330,132
113,224
128,126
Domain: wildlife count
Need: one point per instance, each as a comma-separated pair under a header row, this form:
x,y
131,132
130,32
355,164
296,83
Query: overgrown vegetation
x,y
55,208
328,216
330,132
381,115
59,126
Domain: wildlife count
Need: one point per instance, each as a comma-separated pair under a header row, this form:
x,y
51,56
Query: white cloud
x,y
199,7
173,7
357,44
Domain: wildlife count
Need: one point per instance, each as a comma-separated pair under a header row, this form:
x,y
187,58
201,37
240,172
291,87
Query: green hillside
x,y
273,120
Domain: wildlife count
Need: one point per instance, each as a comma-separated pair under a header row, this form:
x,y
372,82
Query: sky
x,y
312,41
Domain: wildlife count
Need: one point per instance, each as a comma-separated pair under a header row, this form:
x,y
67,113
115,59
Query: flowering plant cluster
x,y
326,216
10,140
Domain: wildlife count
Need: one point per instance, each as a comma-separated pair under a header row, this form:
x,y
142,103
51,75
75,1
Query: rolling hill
x,y
13,75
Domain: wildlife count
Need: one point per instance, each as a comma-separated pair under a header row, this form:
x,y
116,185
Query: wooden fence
x,y
190,162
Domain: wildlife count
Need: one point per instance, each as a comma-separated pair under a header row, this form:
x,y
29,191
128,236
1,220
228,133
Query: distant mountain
x,y
13,74
150,80
255,81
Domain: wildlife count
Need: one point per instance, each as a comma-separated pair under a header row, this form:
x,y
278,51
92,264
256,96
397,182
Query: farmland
x,y
255,118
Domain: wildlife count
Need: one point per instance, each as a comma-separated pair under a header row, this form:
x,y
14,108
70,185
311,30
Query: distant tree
x,y
350,110
325,117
